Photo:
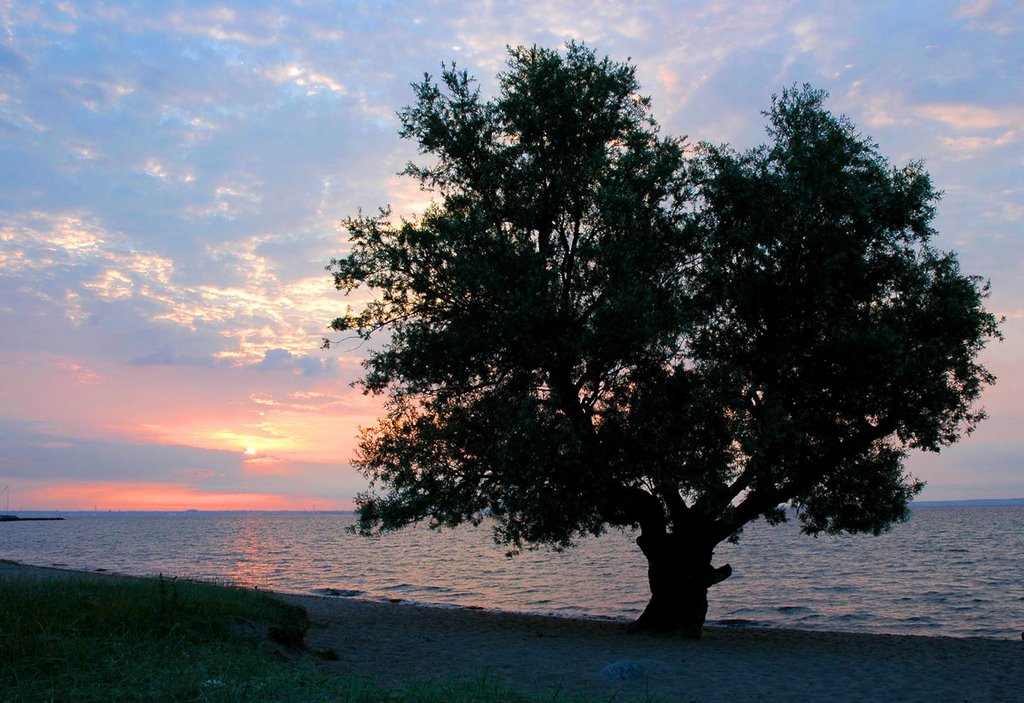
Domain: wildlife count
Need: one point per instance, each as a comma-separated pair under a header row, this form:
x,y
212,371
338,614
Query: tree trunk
x,y
680,573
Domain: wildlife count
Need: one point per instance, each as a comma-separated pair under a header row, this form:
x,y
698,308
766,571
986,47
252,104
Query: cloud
x,y
966,116
974,147
32,455
991,128
300,401
999,18
73,261
276,359
83,375
311,82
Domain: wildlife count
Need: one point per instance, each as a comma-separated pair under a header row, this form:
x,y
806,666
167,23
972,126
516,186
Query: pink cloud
x,y
969,116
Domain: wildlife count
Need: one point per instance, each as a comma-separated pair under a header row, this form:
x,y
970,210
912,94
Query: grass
x,y
99,639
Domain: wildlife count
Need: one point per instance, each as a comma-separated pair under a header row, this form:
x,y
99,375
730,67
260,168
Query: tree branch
x,y
758,502
679,512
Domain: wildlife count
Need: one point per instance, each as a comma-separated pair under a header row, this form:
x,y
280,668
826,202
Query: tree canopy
x,y
597,325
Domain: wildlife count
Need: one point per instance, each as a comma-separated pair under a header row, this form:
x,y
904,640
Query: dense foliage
x,y
596,325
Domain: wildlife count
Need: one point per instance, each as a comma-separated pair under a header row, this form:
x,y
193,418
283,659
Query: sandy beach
x,y
396,643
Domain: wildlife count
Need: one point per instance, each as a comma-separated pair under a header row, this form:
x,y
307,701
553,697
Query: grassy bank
x,y
110,639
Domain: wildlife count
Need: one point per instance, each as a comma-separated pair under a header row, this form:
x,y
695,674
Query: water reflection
x,y
251,566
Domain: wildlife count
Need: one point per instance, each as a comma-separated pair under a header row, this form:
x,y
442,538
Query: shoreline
x,y
399,643
342,594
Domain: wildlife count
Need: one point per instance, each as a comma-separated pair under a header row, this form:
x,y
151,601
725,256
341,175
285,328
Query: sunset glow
x,y
165,497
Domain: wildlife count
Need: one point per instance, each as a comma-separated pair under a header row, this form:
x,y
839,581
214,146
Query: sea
x,y
949,571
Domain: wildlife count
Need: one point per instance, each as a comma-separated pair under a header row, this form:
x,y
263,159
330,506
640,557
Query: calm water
x,y
949,571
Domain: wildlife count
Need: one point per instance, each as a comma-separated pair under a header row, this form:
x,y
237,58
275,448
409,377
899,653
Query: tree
x,y
594,326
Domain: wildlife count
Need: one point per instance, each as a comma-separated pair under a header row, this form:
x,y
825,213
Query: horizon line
x,y
924,503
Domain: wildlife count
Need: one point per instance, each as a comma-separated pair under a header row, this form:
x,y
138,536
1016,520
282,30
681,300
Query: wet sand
x,y
396,643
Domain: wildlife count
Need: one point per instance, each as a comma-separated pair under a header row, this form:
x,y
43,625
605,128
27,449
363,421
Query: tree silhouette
x,y
596,326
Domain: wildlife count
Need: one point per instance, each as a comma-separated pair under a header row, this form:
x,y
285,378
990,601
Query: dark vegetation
x,y
596,325
92,639
88,639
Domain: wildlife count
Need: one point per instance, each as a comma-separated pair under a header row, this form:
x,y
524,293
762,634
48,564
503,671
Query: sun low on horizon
x,y
174,179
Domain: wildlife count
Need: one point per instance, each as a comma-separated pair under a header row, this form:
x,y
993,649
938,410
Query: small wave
x,y
914,619
794,609
337,592
430,604
409,587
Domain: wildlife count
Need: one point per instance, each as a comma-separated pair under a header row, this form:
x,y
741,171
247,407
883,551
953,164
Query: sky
x,y
173,175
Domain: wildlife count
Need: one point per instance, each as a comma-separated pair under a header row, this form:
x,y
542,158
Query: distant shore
x,y
19,518
397,642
